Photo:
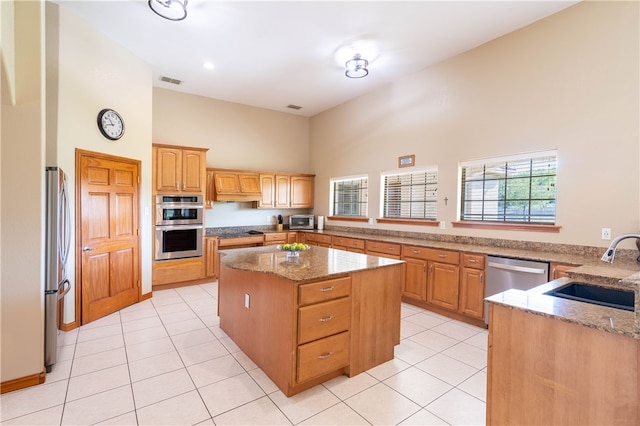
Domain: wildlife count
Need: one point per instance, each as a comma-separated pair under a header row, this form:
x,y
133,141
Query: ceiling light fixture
x,y
356,67
173,10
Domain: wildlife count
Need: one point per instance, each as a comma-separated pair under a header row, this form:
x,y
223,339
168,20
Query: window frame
x,y
527,224
408,220
332,195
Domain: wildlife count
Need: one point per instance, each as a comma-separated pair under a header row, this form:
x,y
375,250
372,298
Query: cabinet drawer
x,y
318,238
383,248
324,290
442,256
323,356
473,260
323,319
275,237
339,242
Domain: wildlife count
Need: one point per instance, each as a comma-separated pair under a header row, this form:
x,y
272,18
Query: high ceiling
x,y
271,54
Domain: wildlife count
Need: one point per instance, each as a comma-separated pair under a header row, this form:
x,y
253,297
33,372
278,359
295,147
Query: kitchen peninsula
x,y
309,318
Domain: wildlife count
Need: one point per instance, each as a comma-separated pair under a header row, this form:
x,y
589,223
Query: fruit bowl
x,y
294,249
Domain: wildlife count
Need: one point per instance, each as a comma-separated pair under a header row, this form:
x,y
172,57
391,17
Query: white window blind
x,y
519,189
410,195
350,196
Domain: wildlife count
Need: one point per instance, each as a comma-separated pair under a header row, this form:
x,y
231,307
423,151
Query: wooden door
x,y
472,292
108,194
442,289
301,195
282,183
168,169
267,190
193,163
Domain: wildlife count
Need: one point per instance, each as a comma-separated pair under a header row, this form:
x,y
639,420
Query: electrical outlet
x,y
246,300
443,224
606,233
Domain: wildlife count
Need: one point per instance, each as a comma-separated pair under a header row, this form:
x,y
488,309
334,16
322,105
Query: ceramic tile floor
x,y
166,361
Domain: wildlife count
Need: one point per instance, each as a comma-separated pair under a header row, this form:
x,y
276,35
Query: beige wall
x,y
238,137
568,82
22,169
95,73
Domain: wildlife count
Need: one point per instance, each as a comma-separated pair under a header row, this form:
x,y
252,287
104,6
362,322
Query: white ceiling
x,y
271,54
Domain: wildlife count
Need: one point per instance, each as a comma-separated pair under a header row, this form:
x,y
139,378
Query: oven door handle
x,y
177,227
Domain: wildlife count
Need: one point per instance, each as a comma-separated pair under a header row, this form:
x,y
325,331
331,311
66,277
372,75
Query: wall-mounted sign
x,y
407,161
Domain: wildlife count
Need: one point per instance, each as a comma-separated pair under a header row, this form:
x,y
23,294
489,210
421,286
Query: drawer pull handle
x,y
326,319
415,251
473,260
325,356
442,255
324,290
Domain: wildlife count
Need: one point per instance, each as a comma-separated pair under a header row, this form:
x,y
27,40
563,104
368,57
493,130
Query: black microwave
x,y
301,221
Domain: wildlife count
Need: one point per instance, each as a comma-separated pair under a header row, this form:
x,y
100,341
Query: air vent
x,y
170,80
292,106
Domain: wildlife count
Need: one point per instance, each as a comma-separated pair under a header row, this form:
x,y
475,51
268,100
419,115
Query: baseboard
x,y
68,326
146,296
23,382
182,284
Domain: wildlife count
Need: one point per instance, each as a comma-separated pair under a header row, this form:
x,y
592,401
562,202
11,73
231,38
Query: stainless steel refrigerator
x,y
58,235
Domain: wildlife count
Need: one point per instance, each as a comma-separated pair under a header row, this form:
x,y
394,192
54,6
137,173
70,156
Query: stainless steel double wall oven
x,y
179,226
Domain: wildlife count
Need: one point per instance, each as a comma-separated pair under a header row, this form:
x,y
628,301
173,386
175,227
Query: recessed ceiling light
x,y
209,65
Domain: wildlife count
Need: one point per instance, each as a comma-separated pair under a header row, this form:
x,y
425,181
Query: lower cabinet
x,y
348,244
415,283
211,256
472,276
321,240
442,285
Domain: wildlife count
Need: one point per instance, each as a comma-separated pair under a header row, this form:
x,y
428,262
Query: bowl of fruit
x,y
294,249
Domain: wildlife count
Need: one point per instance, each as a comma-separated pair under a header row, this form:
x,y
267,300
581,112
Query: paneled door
x,y
108,195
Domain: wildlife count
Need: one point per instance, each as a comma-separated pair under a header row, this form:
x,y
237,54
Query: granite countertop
x,y
315,263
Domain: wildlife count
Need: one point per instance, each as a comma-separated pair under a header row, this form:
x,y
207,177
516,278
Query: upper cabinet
x,y
301,191
179,169
233,185
282,191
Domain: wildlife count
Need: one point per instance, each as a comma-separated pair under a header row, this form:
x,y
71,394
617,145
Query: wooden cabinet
x,y
348,244
232,185
293,237
432,275
282,191
559,270
321,240
382,249
178,169
472,276
274,238
211,256
301,191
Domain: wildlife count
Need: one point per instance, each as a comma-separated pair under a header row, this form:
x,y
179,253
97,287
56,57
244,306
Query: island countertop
x,y
315,263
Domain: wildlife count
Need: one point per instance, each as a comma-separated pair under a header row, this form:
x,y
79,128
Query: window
x,y
410,195
349,196
516,189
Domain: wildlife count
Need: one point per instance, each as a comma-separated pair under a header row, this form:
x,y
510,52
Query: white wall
x,y
95,73
568,82
22,179
238,137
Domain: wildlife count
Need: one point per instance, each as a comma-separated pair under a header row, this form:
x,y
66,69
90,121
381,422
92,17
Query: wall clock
x,y
110,124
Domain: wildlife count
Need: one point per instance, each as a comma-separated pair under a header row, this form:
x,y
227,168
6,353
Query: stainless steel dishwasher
x,y
504,273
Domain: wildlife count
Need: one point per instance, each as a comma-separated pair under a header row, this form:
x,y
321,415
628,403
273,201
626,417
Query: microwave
x,y
301,221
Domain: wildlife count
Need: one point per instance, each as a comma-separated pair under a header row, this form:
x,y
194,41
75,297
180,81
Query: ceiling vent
x,y
170,80
292,106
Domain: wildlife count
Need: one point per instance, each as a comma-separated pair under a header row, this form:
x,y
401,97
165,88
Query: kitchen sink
x,y
611,297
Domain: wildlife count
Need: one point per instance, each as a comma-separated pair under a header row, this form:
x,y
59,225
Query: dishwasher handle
x,y
516,268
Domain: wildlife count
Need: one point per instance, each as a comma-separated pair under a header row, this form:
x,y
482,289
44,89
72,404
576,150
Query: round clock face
x,y
110,124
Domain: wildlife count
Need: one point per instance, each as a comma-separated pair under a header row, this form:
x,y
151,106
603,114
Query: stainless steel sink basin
x,y
611,297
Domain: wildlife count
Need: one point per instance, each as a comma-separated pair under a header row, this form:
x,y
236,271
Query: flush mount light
x,y
356,67
173,10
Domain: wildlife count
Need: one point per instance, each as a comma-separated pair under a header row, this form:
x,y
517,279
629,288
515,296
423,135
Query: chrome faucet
x,y
611,251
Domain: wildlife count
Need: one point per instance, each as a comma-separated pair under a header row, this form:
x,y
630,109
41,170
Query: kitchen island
x,y
306,319
554,361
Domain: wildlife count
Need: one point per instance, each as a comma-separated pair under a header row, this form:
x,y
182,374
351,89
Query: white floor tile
x,y
148,349
424,320
98,361
178,316
193,338
381,405
476,385
345,387
388,369
215,370
99,407
68,337
468,354
259,412
175,305
159,388
424,418
154,366
203,352
145,335
456,330
86,334
126,419
420,387
181,327
408,329
141,323
32,399
263,381
306,404
480,340
98,381
48,416
99,345
138,314
111,319
229,344
65,352
339,414
230,393
434,341
412,352
61,370
185,409
448,408
244,361
447,369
